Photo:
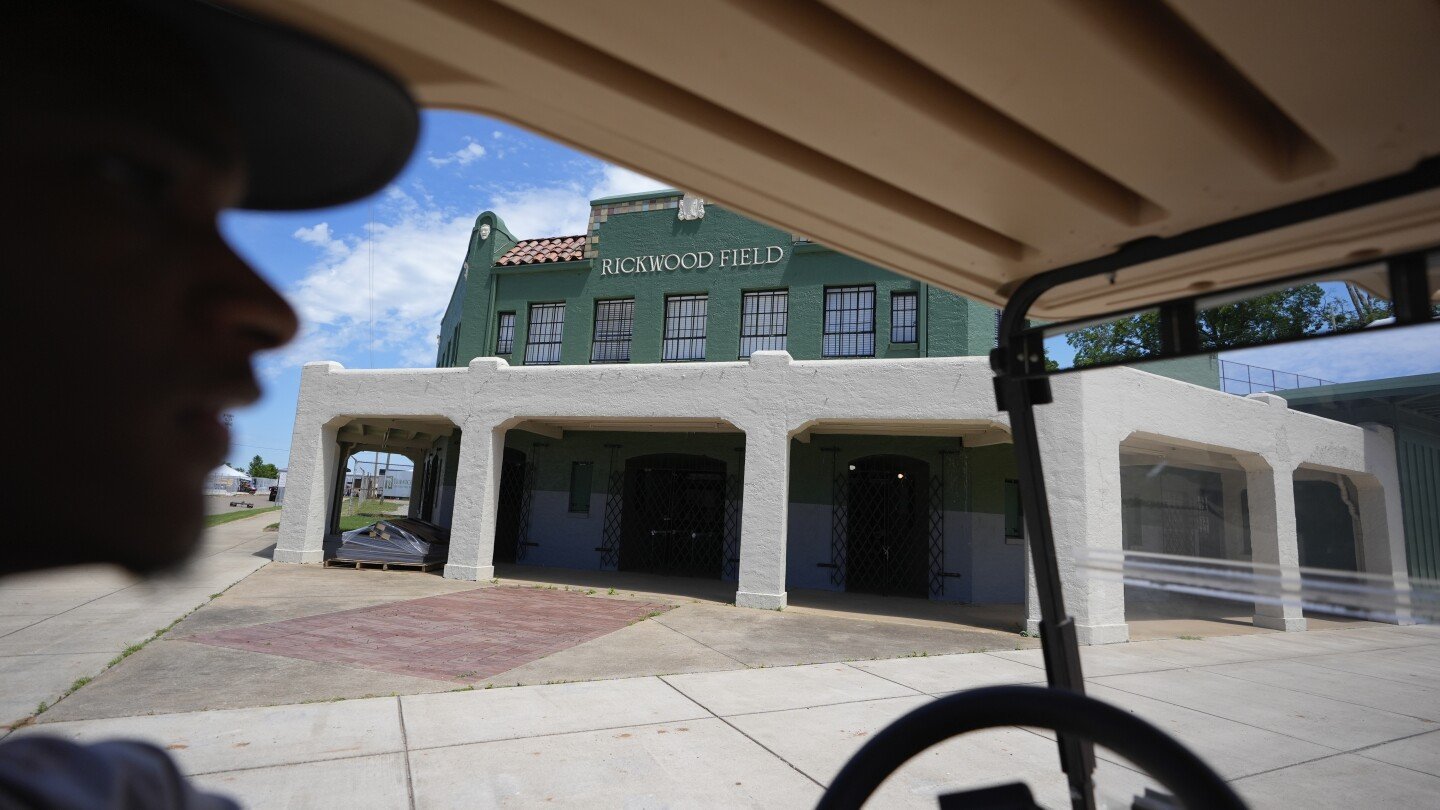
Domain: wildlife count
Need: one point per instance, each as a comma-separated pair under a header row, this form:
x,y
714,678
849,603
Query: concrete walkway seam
x,y
767,749
405,743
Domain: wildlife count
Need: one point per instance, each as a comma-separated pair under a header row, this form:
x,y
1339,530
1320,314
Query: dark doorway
x,y
1325,530
888,517
511,506
674,515
430,468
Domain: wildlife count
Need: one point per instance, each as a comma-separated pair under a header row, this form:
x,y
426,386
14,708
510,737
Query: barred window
x,y
903,309
505,335
764,319
849,322
581,475
1014,515
685,327
614,326
547,328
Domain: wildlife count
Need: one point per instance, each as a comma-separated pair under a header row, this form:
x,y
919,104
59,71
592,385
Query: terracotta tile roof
x,y
545,251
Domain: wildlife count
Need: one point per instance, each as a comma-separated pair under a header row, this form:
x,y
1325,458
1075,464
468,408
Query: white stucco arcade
x,y
1098,418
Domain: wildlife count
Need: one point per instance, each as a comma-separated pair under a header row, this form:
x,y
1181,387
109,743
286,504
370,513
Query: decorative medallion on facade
x,y
691,208
484,231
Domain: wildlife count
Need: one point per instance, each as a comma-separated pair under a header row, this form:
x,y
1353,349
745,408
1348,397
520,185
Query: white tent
x,y
224,479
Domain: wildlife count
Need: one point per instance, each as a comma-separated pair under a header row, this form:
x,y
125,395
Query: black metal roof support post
x,y
1021,384
1018,396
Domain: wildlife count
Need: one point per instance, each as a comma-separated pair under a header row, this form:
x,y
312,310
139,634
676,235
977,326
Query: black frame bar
x,y
1021,383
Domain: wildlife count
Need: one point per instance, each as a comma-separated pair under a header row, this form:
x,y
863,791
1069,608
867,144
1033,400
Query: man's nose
x,y
249,308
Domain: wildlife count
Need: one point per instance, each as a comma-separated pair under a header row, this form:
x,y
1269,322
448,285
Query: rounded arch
x,y
675,461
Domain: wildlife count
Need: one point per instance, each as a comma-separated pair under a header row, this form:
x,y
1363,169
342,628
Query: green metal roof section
x,y
1366,389
644,195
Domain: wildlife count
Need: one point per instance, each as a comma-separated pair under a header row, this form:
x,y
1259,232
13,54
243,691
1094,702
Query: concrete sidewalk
x,y
60,626
1334,718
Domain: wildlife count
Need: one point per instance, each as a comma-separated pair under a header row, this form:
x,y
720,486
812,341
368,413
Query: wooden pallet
x,y
383,566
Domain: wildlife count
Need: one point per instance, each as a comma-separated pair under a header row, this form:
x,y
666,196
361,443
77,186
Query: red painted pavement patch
x,y
467,636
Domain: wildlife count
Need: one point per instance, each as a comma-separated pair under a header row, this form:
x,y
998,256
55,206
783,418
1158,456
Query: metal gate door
x,y
885,531
674,519
512,513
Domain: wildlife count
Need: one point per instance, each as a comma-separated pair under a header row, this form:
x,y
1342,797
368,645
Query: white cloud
x,y
321,237
464,156
407,261
563,209
408,264
615,180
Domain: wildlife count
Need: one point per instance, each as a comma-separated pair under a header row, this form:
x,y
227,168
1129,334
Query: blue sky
x,y
407,242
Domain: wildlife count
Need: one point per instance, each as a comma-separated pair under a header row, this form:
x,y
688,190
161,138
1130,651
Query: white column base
x,y
308,557
471,573
1032,627
1287,624
760,601
1102,633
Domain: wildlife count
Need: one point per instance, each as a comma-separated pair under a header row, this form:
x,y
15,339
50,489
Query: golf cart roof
x,y
969,144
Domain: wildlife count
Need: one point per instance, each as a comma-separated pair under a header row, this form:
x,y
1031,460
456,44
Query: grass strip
x,y
239,514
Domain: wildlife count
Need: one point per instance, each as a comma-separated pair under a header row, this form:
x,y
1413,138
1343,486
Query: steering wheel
x,y
1191,782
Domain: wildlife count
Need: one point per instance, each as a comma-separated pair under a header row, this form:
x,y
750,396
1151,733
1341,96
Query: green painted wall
x,y
465,324
1417,448
974,477
948,324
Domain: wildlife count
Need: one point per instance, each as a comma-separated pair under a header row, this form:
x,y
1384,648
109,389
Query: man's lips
x,y
204,435
202,425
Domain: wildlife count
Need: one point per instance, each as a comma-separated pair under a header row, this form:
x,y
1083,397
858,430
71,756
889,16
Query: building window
x,y
849,322
614,326
580,479
505,336
1014,517
547,329
685,327
903,309
764,318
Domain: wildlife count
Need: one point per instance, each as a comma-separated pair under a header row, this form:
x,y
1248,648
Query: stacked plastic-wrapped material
x,y
397,540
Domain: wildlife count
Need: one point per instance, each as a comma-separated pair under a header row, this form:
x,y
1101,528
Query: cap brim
x,y
320,126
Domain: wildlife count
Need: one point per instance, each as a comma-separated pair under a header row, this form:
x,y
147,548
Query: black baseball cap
x,y
320,126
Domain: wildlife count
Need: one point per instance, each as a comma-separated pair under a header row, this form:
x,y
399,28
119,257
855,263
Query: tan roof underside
x,y
970,144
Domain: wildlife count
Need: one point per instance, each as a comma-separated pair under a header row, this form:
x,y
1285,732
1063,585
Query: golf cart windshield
x,y
1161,195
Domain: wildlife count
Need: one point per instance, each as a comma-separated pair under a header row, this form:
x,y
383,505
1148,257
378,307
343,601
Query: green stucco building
x,y
639,254
663,278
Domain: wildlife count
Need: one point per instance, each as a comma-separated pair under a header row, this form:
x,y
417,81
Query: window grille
x,y
685,327
614,327
547,329
580,481
505,336
903,321
764,319
1014,515
849,322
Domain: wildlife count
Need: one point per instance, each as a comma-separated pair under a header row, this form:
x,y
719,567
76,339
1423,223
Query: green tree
x,y
1291,313
259,469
